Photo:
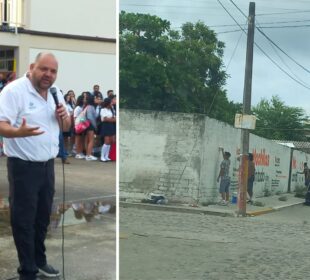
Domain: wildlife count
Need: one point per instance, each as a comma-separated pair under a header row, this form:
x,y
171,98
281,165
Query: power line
x,y
270,22
284,13
287,26
228,31
272,60
276,128
163,6
294,11
227,66
271,41
238,30
234,51
287,21
275,63
275,50
269,27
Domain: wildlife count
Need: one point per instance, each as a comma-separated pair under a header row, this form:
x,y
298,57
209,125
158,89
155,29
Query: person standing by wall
x,y
30,124
306,172
224,178
251,177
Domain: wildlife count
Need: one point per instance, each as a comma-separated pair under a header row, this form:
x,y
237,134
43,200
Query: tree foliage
x,y
168,70
277,121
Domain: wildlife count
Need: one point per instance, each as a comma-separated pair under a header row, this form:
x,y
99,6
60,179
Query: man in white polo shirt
x,y
30,124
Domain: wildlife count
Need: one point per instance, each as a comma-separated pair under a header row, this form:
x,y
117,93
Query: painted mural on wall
x,y
298,160
271,172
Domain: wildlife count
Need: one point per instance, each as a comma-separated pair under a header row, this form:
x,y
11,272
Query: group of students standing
x,y
101,133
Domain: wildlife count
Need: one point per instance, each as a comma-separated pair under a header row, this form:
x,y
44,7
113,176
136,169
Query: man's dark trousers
x,y
32,187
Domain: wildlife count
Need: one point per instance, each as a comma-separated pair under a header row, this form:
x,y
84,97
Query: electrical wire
x,y
164,6
271,41
272,60
286,26
284,129
270,22
199,7
228,31
284,13
276,52
233,54
289,69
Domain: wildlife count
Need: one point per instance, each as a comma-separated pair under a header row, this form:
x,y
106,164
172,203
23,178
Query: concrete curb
x,y
272,209
215,212
260,212
180,209
276,208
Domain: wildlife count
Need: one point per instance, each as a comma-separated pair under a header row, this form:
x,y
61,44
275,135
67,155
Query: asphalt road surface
x,y
160,245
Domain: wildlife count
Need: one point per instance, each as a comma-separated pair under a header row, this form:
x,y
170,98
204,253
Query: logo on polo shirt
x,y
31,106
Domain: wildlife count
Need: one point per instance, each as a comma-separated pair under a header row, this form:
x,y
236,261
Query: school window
x,y
7,60
11,12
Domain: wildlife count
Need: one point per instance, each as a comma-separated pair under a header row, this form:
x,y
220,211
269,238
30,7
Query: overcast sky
x,y
268,79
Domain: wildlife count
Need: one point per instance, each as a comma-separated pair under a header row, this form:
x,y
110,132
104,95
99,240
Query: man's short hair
x,y
227,154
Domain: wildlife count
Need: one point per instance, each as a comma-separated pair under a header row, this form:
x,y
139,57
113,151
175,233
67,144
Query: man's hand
x,y
63,117
24,130
8,131
218,179
61,112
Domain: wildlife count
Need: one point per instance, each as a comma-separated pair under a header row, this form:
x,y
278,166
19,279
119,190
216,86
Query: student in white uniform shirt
x,y
107,128
30,124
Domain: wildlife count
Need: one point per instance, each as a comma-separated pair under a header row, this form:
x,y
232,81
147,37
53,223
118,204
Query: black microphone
x,y
53,91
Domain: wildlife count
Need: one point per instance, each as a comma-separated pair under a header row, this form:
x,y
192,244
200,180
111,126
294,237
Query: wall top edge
x,y
21,30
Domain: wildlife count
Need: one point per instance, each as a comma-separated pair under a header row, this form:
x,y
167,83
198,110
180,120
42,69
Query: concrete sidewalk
x,y
89,250
90,219
269,204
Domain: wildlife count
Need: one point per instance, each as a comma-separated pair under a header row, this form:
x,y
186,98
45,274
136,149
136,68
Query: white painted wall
x,y
298,160
177,154
78,17
272,163
159,153
80,70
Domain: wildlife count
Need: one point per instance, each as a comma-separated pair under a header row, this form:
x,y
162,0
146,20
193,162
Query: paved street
x,y
163,245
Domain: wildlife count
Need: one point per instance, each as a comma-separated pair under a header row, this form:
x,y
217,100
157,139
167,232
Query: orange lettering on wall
x,y
261,158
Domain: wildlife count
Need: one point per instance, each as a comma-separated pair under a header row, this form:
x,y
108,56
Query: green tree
x,y
277,121
168,70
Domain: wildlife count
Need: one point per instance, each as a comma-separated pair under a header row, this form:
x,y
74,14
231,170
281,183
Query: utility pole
x,y
247,91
